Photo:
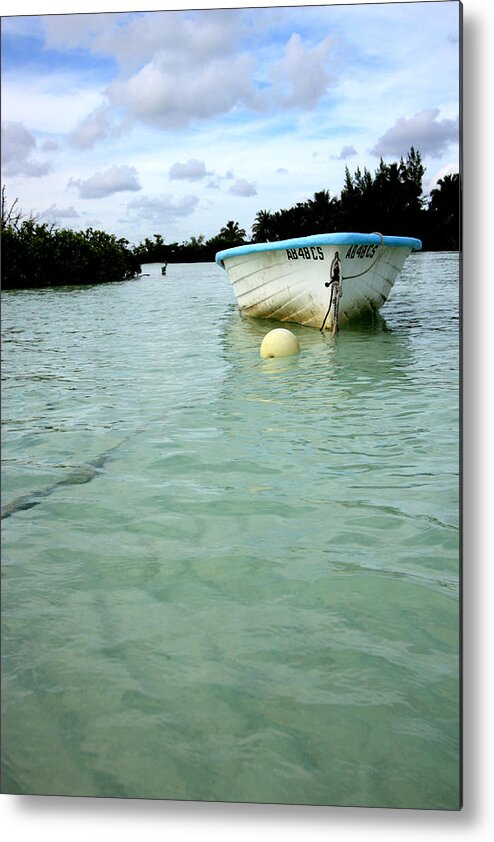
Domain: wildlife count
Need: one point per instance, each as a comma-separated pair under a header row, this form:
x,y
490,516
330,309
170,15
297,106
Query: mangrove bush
x,y
36,254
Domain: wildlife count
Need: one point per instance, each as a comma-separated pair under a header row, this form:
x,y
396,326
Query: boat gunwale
x,y
336,239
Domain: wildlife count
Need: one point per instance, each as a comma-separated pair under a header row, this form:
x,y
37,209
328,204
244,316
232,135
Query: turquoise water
x,y
226,578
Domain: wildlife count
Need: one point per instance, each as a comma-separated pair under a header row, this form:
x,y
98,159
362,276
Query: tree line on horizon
x,y
391,202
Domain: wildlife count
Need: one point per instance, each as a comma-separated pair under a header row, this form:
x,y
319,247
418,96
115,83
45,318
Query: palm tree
x,y
444,213
320,210
446,196
262,229
232,232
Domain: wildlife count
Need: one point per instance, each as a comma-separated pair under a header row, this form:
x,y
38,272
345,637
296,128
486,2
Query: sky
x,y
175,122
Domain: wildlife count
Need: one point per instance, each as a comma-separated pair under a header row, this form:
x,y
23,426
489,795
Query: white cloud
x,y
242,187
215,182
192,37
193,170
172,97
50,146
73,31
95,126
346,152
53,213
18,146
160,210
182,69
300,77
114,180
423,131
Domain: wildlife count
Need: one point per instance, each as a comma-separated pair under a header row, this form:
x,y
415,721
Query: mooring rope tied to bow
x,y
334,299
335,284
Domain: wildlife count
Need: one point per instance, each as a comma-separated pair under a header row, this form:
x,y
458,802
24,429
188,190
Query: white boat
x,y
321,281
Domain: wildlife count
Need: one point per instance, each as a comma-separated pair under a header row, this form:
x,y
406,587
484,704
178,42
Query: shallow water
x,y
226,578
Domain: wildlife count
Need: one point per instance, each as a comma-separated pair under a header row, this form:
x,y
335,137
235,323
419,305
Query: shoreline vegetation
x,y
36,254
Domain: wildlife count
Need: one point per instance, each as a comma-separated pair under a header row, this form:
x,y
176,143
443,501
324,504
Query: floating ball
x,y
279,343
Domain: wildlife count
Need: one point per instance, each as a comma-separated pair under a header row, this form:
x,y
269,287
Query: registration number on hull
x,y
305,253
361,251
316,252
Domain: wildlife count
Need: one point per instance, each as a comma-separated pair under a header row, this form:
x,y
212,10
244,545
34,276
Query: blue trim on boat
x,y
344,239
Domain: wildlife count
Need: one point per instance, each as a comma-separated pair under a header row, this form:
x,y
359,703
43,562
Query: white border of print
x,y
53,819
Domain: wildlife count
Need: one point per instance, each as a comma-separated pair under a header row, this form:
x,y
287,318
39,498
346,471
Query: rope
x,y
336,283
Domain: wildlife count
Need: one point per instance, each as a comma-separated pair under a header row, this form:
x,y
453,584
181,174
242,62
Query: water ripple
x,y
229,578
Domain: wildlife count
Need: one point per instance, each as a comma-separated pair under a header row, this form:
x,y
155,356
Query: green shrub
x,y
36,254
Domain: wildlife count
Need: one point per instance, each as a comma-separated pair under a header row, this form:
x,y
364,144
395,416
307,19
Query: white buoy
x,y
279,343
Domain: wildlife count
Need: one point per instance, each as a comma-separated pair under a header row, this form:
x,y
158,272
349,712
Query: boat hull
x,y
321,281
